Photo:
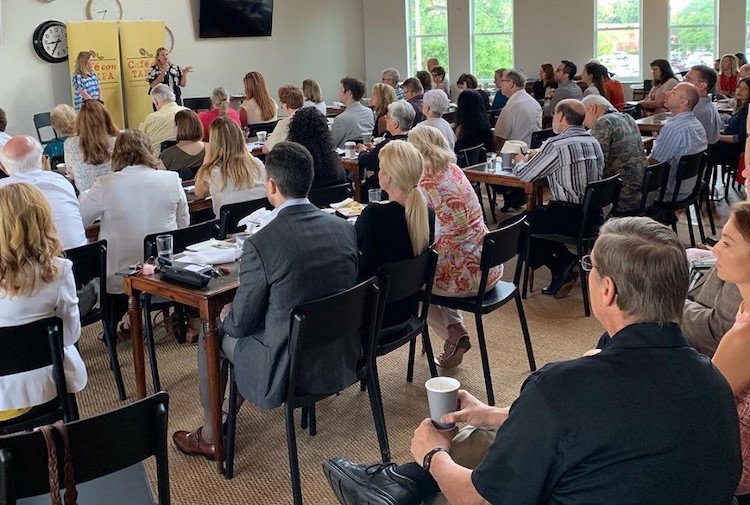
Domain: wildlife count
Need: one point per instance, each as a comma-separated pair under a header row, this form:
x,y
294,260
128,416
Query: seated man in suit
x,y
302,254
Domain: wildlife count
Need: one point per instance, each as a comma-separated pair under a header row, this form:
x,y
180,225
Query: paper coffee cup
x,y
442,396
262,136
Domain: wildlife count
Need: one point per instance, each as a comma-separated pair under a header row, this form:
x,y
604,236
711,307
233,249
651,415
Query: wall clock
x,y
50,40
168,38
104,10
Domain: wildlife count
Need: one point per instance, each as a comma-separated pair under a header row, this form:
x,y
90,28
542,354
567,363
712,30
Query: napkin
x,y
342,203
257,220
210,257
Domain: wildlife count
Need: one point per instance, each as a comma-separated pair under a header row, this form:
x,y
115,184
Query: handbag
x,y
178,275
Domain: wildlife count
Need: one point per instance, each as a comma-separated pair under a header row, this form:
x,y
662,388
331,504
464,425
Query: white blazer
x,y
133,203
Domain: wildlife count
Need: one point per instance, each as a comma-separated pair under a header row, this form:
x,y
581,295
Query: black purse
x,y
198,280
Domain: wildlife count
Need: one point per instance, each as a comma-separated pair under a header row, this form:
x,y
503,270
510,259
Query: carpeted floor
x,y
558,329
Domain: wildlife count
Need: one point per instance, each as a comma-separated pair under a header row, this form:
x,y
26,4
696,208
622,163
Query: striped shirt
x,y
569,161
399,92
90,84
681,135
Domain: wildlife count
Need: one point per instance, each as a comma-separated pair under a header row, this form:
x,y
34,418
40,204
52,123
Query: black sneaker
x,y
370,485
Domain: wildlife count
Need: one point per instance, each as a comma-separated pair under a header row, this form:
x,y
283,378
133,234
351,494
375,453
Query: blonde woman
x,y
35,282
85,81
133,201
258,106
459,235
382,96
63,119
230,173
219,107
89,154
729,74
313,96
164,72
400,229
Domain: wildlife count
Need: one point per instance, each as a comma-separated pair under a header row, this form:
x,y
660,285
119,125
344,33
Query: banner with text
x,y
138,43
101,38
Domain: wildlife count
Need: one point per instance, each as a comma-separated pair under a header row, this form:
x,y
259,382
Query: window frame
x,y
638,76
474,33
411,8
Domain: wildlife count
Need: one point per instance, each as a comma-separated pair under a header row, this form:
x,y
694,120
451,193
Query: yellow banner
x,y
101,38
138,43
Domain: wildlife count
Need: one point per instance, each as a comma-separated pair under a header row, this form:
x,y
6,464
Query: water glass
x,y
374,195
164,246
366,137
262,136
491,158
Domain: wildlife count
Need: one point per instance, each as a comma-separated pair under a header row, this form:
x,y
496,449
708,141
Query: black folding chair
x,y
253,129
598,196
41,121
500,246
335,334
197,104
323,197
180,240
99,447
540,136
89,263
654,179
473,156
231,214
32,346
166,144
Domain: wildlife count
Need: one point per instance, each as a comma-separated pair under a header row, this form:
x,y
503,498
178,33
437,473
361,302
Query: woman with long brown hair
x,y
35,282
663,81
229,173
382,96
546,82
88,155
259,106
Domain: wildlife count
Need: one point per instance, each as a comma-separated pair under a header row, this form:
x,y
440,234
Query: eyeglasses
x,y
586,264
505,80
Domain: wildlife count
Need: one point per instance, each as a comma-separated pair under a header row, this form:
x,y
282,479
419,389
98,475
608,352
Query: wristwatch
x,y
428,457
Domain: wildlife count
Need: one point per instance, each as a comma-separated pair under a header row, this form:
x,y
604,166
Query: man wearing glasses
x,y
704,78
566,86
391,78
646,419
522,114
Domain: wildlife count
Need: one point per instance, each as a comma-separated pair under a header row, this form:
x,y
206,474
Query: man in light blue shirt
x,y
681,135
704,78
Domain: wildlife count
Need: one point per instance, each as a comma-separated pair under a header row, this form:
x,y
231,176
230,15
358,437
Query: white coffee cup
x,y
442,396
349,149
262,136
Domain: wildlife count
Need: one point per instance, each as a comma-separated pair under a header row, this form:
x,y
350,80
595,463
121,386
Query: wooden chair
x,y
103,452
500,246
89,263
337,334
231,214
32,346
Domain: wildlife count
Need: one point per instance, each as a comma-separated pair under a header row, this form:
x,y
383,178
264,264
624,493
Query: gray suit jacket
x,y
709,312
302,255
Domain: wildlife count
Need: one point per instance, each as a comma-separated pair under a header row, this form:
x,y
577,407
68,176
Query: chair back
x,y
540,136
89,263
231,214
335,334
197,104
471,156
599,194
268,127
323,197
99,446
654,179
180,238
502,245
647,85
32,346
493,114
41,121
690,166
166,144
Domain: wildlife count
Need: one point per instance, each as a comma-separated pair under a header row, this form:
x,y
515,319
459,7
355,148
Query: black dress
x,y
383,237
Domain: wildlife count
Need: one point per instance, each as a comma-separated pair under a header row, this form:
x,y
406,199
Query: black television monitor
x,y
235,18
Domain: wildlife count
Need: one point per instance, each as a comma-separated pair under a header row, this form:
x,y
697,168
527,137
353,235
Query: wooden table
x,y
352,164
209,303
648,144
334,111
534,190
653,123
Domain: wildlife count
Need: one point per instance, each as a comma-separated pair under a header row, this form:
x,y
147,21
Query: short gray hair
x,y
437,101
517,77
597,100
647,263
219,95
31,160
403,112
163,93
392,73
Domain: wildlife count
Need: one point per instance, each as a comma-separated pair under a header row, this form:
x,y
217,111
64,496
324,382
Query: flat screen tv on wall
x,y
235,18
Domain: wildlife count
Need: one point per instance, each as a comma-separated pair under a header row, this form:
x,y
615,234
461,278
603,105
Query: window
x,y
492,41
427,33
618,36
692,33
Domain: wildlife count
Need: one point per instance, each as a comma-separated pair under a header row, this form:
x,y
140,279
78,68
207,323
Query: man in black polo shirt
x,y
646,419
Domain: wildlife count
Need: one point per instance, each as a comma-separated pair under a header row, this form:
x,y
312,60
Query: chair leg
x,y
312,422
378,415
699,218
181,323
291,445
150,343
410,363
110,336
710,213
585,292
428,351
492,201
231,426
690,227
485,360
304,417
525,331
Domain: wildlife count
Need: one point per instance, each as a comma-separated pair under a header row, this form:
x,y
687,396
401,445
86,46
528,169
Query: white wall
x,y
319,39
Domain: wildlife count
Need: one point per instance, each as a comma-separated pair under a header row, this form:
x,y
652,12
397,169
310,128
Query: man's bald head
x,y
21,154
572,110
689,92
745,70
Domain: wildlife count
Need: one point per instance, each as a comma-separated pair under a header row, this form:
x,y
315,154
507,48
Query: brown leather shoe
x,y
192,444
453,354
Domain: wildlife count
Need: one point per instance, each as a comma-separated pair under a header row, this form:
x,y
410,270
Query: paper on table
x,y
210,257
256,221
342,203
